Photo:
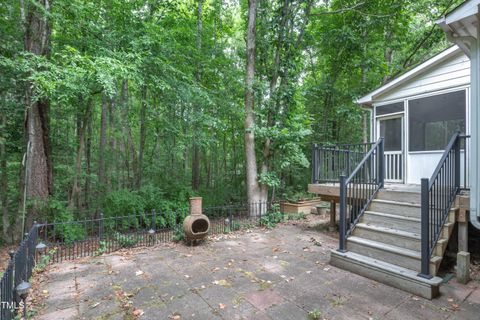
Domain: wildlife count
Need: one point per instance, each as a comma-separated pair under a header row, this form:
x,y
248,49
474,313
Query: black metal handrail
x,y
329,162
438,195
359,189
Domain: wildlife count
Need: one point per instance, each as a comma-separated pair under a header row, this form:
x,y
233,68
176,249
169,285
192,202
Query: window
x,y
433,120
389,108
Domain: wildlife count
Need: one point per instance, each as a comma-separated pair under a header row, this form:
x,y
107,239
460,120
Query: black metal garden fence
x,y
14,282
88,237
58,241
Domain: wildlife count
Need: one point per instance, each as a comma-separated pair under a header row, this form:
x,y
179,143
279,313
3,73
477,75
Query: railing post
x,y
458,142
381,163
349,169
343,214
425,230
100,226
314,163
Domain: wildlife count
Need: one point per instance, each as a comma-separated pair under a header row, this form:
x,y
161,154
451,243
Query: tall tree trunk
x,y
88,162
195,147
38,166
4,184
253,187
112,180
75,195
102,144
273,95
143,130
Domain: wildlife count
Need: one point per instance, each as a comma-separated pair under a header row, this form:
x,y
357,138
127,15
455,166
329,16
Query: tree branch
x,y
342,10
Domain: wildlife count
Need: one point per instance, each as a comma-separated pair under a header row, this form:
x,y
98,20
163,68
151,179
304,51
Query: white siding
x,y
450,73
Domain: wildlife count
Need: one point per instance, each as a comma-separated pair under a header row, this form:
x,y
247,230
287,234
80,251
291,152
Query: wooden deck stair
x,y
385,244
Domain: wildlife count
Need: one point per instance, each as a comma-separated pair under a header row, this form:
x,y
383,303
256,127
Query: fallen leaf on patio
x,y
221,306
326,269
94,305
454,307
187,276
45,291
415,298
450,300
138,312
223,283
139,273
308,272
175,317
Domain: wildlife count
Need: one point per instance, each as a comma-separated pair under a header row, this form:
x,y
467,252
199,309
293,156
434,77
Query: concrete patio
x,y
274,274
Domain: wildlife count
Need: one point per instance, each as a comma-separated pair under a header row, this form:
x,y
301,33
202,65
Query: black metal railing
x,y
359,189
329,162
438,195
19,269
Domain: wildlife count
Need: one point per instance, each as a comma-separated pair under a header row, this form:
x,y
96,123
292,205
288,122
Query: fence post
x,y
457,161
425,231
343,214
381,162
230,218
154,222
314,164
100,226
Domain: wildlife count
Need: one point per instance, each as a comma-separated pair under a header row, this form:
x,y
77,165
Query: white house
x,y
418,112
402,194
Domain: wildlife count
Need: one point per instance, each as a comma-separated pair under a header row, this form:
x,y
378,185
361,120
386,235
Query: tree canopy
x,y
141,103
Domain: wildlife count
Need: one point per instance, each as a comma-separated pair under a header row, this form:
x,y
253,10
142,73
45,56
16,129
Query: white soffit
x,y
461,24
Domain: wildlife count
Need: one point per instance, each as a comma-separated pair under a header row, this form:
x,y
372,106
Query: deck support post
x,y
333,216
463,267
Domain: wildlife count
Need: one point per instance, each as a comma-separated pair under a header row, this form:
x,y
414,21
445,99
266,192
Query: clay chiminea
x,y
196,225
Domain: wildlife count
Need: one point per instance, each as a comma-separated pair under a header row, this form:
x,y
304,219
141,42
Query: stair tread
x,y
396,216
391,268
402,233
388,247
399,203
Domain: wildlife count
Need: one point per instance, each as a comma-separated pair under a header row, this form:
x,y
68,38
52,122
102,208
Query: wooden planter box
x,y
300,206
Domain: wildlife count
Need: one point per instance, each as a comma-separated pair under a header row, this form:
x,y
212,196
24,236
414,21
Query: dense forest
x,y
128,105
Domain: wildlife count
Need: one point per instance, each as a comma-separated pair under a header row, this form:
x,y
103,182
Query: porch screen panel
x,y
389,108
391,130
433,120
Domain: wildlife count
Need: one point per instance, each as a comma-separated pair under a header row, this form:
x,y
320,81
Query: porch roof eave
x,y
368,100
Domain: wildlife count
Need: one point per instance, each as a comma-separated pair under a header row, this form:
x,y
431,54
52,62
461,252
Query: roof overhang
x,y
461,24
368,99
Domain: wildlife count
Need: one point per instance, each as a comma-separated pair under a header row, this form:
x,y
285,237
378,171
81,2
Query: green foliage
x,y
272,218
69,231
125,240
314,314
178,233
162,95
45,260
122,202
102,248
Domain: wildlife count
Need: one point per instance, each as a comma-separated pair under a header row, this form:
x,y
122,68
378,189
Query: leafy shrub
x,y
57,211
125,241
122,202
272,218
101,249
178,233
